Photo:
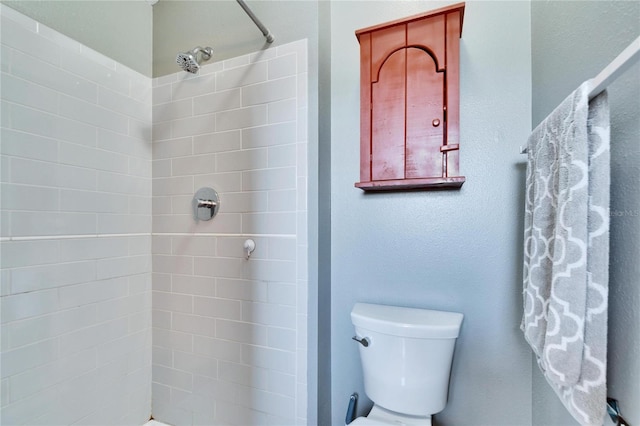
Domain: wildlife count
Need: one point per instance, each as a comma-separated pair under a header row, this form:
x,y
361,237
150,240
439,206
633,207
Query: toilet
x,y
406,356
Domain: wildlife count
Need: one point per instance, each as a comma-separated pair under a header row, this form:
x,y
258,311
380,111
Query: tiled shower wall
x,y
229,334
75,232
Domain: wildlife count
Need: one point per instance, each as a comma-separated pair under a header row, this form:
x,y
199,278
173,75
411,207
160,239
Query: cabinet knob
x,y
435,122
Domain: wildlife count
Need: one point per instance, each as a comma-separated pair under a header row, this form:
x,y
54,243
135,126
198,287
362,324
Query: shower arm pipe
x,y
259,24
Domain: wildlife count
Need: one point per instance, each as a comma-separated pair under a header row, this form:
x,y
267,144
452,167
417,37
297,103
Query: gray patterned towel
x,y
566,252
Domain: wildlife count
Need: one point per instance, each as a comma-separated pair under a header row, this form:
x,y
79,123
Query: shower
x,y
188,61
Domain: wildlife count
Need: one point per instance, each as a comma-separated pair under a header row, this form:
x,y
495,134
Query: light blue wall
x,y
448,250
572,42
92,23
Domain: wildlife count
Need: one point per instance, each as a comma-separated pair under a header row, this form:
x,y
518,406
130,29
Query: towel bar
x,y
614,412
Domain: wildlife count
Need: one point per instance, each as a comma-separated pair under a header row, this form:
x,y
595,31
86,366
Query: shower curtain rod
x,y
254,18
611,72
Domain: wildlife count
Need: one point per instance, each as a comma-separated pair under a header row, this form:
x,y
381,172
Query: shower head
x,y
188,61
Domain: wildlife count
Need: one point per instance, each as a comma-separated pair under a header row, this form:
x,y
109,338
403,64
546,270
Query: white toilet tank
x,y
407,361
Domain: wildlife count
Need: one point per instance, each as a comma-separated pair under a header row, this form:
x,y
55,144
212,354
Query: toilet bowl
x,y
406,356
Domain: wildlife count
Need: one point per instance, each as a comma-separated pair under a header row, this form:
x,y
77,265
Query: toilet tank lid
x,y
406,322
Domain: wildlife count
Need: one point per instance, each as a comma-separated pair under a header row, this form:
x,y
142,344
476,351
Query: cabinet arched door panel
x,y
406,102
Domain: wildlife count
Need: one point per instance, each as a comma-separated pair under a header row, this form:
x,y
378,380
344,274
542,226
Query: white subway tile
x,y
241,160
270,135
140,129
140,167
218,267
193,126
161,95
173,185
194,245
241,332
270,91
273,359
282,66
123,266
217,348
124,184
91,292
255,291
36,379
269,223
44,327
216,102
31,68
92,336
28,253
25,305
303,91
282,156
26,223
243,202
246,375
42,277
123,104
193,165
124,346
26,145
193,324
262,55
281,294
236,62
172,110
285,200
161,168
196,364
269,314
300,48
172,377
91,201
173,340
123,223
197,286
268,179
223,182
92,248
73,177
95,67
89,157
282,111
281,338
192,86
172,302
27,357
91,114
240,118
172,148
173,264
217,142
167,79
283,384
161,319
44,124
28,94
241,76
124,144
217,308
282,249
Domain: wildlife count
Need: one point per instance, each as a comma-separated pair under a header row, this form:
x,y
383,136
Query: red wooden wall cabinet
x,y
409,102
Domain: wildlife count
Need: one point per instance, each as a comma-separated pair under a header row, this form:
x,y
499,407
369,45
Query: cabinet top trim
x,y
443,10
